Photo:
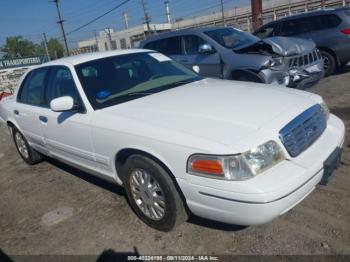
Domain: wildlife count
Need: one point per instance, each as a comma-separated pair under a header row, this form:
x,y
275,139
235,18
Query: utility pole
x,y
222,12
126,20
46,48
167,12
60,21
256,13
147,18
109,37
97,49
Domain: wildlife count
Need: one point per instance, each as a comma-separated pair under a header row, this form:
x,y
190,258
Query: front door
x,y
66,134
209,64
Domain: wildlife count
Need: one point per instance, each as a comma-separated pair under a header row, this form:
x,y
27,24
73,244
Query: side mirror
x,y
61,104
205,49
196,69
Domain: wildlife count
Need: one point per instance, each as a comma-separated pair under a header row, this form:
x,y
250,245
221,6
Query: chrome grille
x,y
305,60
303,130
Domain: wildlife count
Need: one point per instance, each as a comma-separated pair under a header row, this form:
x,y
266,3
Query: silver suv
x,y
229,53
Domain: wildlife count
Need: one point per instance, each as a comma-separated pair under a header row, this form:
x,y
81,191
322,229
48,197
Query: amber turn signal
x,y
208,166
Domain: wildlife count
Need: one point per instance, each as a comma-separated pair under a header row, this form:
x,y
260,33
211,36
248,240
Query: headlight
x,y
236,167
272,62
325,109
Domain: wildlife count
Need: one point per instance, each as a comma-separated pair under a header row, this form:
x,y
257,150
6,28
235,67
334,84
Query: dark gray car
x,y
228,53
328,28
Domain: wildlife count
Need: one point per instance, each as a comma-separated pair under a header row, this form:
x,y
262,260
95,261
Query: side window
x,y
192,43
297,26
267,31
167,46
23,91
326,21
61,83
33,88
151,45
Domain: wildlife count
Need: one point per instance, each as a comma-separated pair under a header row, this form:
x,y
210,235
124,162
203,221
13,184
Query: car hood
x,y
289,46
217,110
281,46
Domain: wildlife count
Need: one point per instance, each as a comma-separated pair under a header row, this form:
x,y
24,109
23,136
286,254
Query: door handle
x,y
16,112
43,119
183,61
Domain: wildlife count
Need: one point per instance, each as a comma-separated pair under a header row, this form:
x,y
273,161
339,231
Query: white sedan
x,y
233,152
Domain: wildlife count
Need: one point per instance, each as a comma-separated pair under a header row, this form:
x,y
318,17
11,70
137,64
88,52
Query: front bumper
x,y
303,80
248,202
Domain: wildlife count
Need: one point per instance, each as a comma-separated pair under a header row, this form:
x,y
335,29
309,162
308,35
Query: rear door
x,y
209,64
30,101
322,29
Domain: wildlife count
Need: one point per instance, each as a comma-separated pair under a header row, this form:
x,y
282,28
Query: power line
x,y
99,17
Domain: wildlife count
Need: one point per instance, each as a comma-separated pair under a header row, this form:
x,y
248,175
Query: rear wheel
x,y
152,194
329,63
28,154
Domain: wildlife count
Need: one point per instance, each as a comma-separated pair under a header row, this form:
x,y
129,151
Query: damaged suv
x,y
228,53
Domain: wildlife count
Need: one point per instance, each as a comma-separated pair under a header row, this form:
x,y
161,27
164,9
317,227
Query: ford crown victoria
x,y
234,152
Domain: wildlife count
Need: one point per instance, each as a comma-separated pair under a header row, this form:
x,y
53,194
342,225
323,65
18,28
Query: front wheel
x,y
152,194
28,154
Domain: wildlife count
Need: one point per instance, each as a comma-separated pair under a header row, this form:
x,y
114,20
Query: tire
x,y
329,63
159,204
28,154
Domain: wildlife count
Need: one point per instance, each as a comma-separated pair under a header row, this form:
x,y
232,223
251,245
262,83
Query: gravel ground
x,y
51,208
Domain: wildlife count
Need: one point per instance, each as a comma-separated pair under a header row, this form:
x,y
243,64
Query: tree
x,y
17,46
56,49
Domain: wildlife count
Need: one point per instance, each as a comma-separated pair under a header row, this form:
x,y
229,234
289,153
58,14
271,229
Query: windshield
x,y
118,79
232,38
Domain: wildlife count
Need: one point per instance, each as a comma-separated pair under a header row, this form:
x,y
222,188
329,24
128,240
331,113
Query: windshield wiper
x,y
138,94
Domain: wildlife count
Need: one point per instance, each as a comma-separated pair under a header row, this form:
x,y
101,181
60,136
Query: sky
x,y
30,18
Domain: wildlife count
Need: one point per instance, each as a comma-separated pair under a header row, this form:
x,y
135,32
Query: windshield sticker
x,y
103,94
160,57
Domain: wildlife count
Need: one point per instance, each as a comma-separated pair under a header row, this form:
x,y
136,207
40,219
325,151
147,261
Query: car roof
x,y
182,31
306,14
82,58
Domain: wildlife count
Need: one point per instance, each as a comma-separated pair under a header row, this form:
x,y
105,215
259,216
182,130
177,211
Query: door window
x,y
297,26
326,21
267,31
167,46
33,88
308,24
192,43
61,83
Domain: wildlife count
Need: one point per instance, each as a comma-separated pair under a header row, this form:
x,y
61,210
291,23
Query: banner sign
x,y
22,62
